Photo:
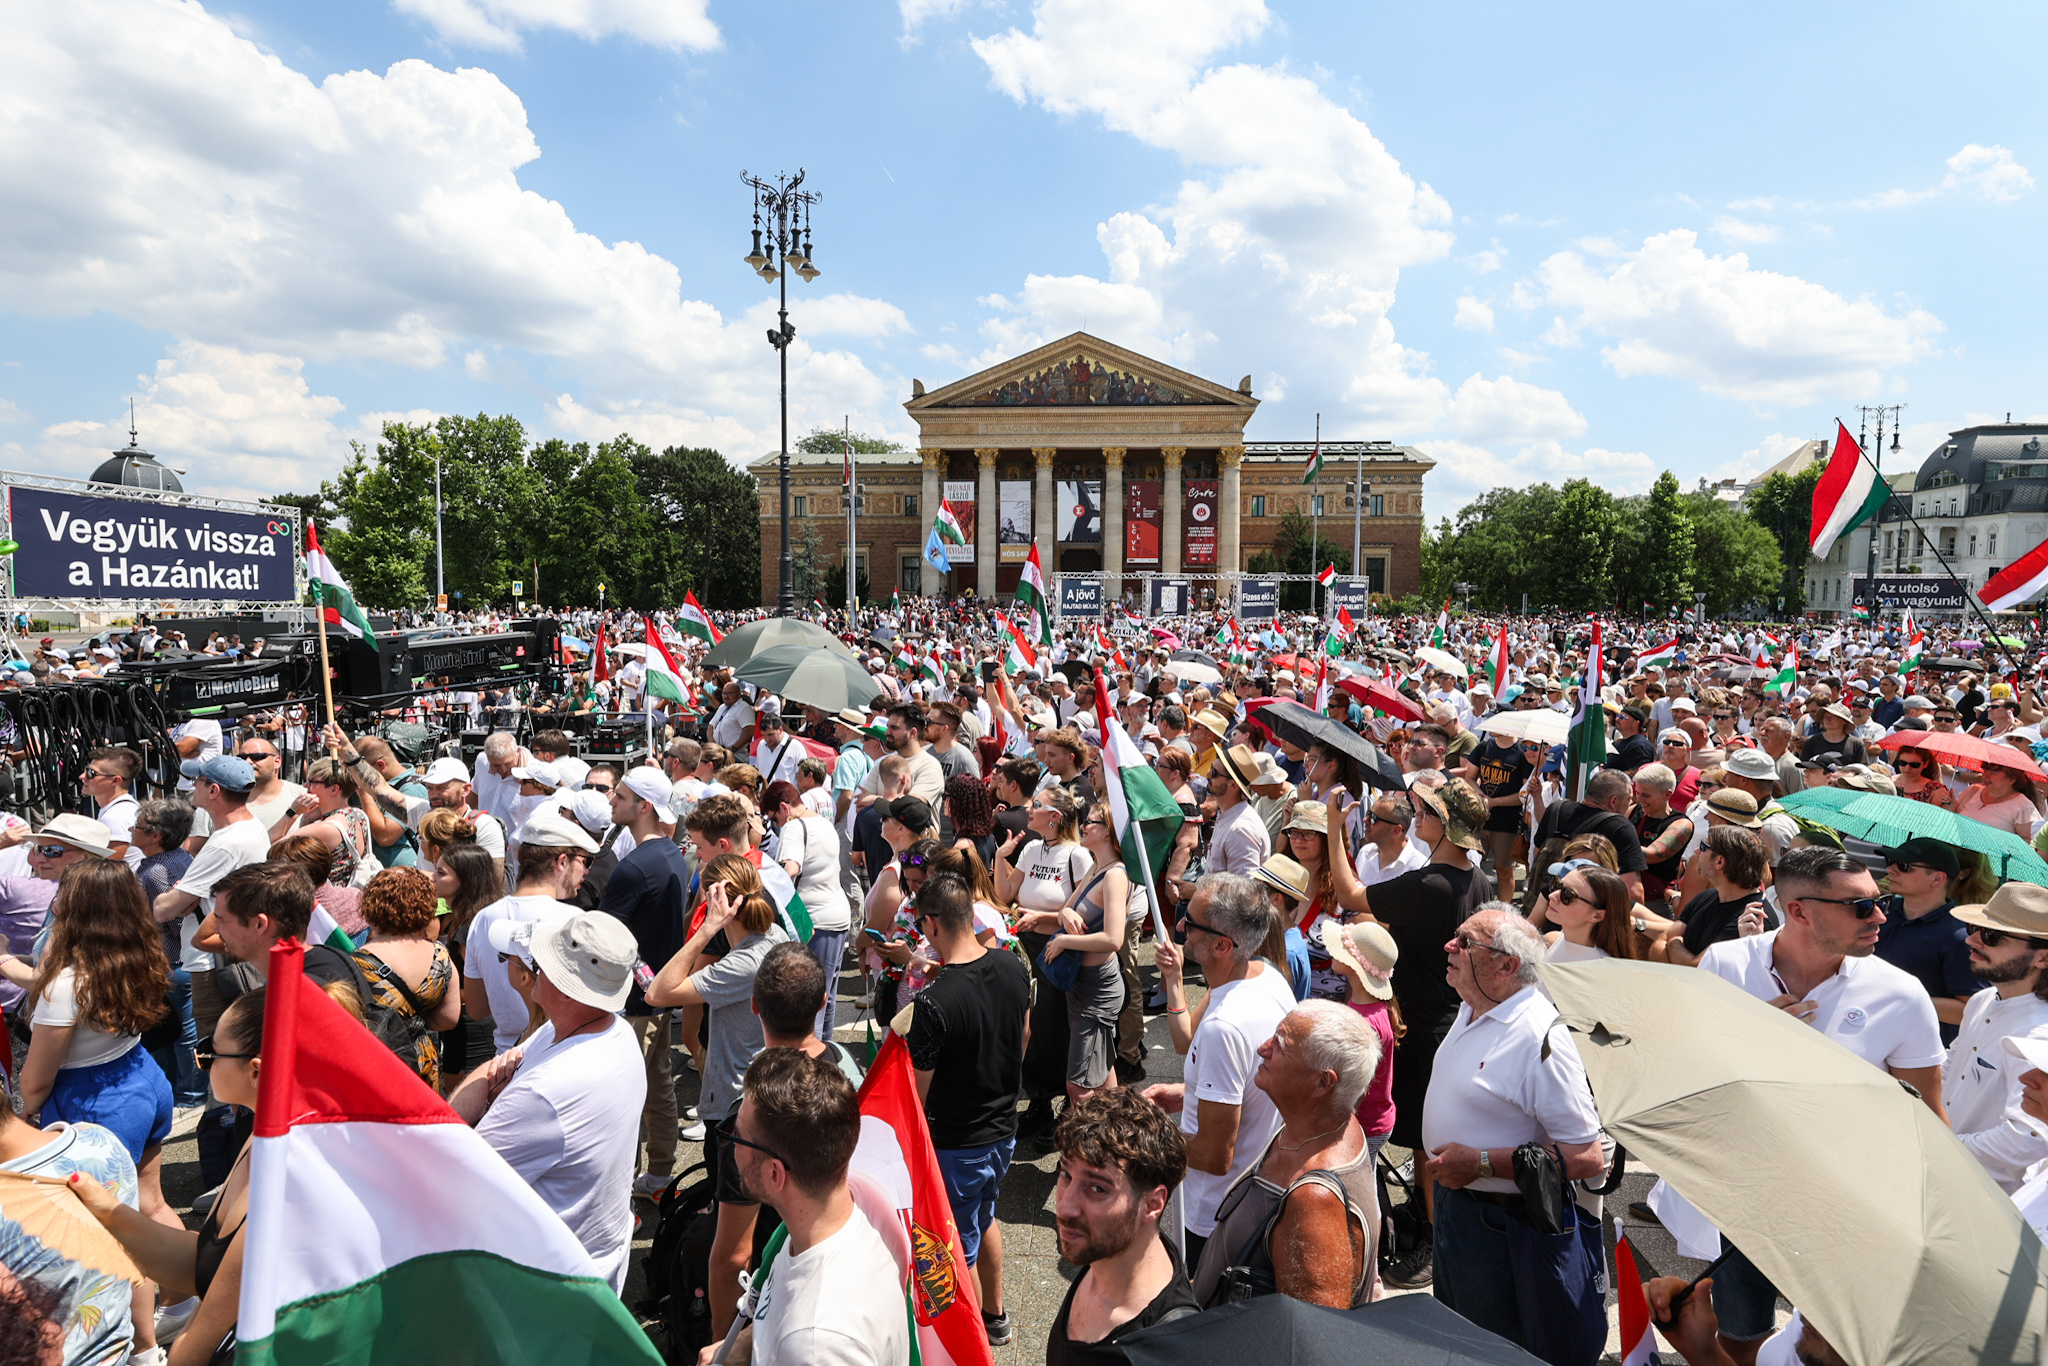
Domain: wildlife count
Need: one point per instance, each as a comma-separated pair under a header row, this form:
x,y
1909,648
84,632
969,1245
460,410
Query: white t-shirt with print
x,y
1237,1018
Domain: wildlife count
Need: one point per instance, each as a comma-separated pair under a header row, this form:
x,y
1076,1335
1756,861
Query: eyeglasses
x,y
1094,820
749,1143
1195,924
524,963
1991,939
1466,943
52,850
257,757
1906,867
96,773
1862,907
205,1054
1706,786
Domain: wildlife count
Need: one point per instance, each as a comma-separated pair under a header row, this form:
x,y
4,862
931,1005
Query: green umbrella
x,y
744,642
2012,641
1890,821
814,677
1837,1181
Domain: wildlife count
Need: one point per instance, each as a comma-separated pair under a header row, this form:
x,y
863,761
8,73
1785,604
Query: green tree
x,y
1435,569
1782,504
705,529
1581,547
595,527
835,587
831,441
1741,561
1664,572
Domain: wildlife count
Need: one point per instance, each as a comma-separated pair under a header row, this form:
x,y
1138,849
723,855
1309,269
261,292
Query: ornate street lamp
x,y
787,210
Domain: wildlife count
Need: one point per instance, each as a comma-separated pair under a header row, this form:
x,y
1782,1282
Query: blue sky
x,y
1601,244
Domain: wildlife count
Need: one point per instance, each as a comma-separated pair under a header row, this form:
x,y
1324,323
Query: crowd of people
x,y
1349,969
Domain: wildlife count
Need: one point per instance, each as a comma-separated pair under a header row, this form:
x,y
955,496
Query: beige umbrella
x,y
1442,659
49,1213
1830,1175
1551,727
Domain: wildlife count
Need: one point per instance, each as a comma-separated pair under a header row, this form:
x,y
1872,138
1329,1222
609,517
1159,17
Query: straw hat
x,y
2015,908
1735,807
1240,763
1284,875
1217,723
1368,950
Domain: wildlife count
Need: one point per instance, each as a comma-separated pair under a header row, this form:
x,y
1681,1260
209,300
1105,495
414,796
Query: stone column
x,y
1229,507
1113,521
931,580
987,517
1043,527
1169,517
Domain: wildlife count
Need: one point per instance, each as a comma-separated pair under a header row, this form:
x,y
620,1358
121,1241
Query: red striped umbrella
x,y
1966,750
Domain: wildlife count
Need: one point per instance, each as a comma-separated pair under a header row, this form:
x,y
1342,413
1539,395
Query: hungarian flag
x,y
789,907
895,1154
1443,626
1315,464
1031,598
1328,575
1915,643
1341,632
337,604
325,929
948,527
1848,495
1586,742
1142,812
1659,657
1787,676
664,679
2017,582
896,600
1497,662
600,658
1638,1344
382,1228
905,659
822,608
932,668
1018,652
696,621
1323,683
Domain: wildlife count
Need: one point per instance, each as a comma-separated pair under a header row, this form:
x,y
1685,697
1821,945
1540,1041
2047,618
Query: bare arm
x,y
163,1254
170,905
1925,1080
1351,894
476,998
46,1049
217,1312
1214,1141
1115,892
672,985
1312,1246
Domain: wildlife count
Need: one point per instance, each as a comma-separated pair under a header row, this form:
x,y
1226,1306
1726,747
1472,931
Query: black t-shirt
x,y
1567,820
1422,909
967,1030
1849,748
868,841
1709,920
1011,820
1061,1350
1632,753
650,892
1502,770
1648,830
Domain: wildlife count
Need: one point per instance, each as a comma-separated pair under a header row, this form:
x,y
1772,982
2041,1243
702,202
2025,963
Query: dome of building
x,y
135,468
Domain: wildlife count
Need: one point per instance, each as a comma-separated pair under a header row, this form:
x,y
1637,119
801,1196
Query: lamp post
x,y
440,582
1464,590
788,212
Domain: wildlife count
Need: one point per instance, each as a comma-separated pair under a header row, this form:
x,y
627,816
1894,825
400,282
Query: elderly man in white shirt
x,y
1981,1080
1507,1074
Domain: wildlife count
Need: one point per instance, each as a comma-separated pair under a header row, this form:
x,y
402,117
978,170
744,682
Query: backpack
x,y
678,1266
405,1035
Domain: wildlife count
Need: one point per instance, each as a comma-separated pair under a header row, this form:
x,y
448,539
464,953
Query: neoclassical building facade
x,y
1115,466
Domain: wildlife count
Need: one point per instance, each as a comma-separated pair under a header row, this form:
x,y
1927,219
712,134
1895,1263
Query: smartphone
x,y
874,934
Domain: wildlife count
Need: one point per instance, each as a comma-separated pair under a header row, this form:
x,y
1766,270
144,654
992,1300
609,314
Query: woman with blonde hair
x,y
442,828
330,812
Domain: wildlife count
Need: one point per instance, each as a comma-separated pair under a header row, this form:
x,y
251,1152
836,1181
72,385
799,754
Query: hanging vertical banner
x,y
1141,522
960,502
1013,524
1080,511
1200,520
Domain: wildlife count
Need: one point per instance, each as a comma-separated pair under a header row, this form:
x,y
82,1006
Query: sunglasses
x,y
1862,907
1991,939
1568,896
1466,943
1911,763
597,787
1195,924
52,850
96,773
749,1143
256,757
910,860
205,1054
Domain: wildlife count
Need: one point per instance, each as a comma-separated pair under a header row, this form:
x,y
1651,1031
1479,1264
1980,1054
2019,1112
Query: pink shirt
x,y
1376,1106
2016,813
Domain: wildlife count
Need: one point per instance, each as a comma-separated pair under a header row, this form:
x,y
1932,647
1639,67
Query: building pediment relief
x,y
1080,371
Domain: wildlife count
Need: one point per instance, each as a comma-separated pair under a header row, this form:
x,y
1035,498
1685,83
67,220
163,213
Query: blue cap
x,y
1571,866
236,775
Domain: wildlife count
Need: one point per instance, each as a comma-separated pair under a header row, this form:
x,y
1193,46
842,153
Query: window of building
x,y
799,505
1258,505
1888,544
1948,541
1951,507
910,505
910,573
1973,547
1319,505
1376,570
1991,544
1379,505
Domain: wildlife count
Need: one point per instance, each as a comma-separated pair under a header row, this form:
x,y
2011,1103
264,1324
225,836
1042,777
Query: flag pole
x,y
1315,482
326,675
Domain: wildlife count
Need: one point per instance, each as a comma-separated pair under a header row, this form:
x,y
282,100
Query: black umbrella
x,y
1196,657
882,635
1276,1330
1299,726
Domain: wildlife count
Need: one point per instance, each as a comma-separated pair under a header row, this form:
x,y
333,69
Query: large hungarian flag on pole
x,y
1632,1308
1341,633
1787,676
664,679
896,1153
337,603
1018,652
600,658
1848,495
1909,658
1142,812
1658,656
1586,742
948,527
1031,598
697,621
2015,584
382,1228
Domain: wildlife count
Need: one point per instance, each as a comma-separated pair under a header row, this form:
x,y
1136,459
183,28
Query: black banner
x,y
78,545
1169,598
1349,593
1258,599
1080,597
1922,593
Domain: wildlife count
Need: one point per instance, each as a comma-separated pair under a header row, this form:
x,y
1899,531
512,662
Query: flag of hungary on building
x,y
382,1228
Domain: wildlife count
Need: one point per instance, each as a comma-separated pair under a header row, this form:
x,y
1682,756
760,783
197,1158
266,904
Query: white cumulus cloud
x,y
1465,470
1473,315
681,25
1507,409
1989,173
1714,321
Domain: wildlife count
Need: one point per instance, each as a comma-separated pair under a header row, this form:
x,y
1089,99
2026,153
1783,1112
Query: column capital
x,y
1229,457
1113,456
1173,455
985,456
934,458
1044,455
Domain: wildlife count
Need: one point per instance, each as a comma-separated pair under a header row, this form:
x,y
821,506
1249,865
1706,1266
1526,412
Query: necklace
x,y
1297,1147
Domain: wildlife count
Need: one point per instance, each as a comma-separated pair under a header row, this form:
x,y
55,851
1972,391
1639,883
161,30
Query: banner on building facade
x,y
1080,511
79,545
1080,597
960,502
1258,599
1141,522
1168,598
1013,524
1200,523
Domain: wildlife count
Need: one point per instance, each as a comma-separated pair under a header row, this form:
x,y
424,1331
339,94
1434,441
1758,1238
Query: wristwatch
x,y
1486,1164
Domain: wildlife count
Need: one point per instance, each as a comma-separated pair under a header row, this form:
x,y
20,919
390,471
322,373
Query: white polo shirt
x,y
1876,1011
1372,872
1492,1087
1980,1085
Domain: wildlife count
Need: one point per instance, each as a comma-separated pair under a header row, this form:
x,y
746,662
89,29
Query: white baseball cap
x,y
549,830
445,769
652,785
592,810
539,772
